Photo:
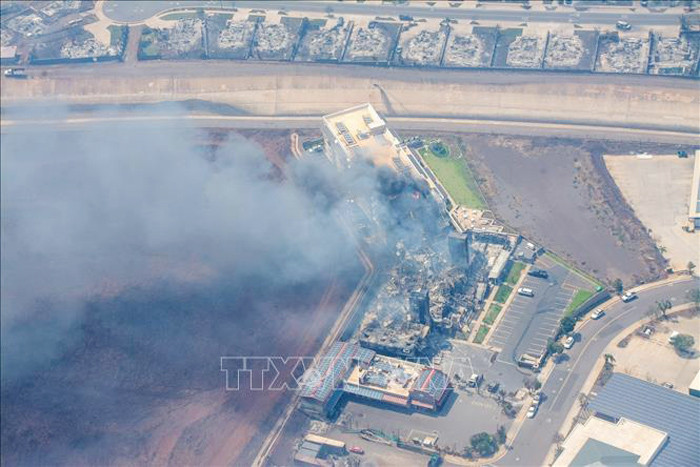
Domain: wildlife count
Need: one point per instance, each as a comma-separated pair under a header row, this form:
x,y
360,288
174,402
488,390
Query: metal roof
x,y
329,370
664,409
431,381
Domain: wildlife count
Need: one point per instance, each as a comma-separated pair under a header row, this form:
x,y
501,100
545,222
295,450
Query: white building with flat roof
x,y
360,133
600,442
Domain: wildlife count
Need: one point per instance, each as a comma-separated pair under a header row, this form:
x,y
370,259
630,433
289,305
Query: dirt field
x,y
658,189
654,359
558,193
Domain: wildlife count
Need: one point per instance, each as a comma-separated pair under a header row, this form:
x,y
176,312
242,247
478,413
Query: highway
x,y
564,384
130,12
408,124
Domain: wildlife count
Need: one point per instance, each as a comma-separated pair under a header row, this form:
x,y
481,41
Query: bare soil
x,y
559,193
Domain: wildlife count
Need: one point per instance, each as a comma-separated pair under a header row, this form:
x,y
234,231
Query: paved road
x,y
129,11
408,125
565,382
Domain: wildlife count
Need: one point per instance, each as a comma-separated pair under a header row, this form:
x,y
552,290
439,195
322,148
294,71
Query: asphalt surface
x,y
401,124
566,381
530,321
128,11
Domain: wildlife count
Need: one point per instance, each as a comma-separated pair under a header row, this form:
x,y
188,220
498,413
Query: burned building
x,y
405,339
349,368
458,245
419,305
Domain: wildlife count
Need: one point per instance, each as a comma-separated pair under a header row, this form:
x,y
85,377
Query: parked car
x,y
623,25
474,381
541,273
492,387
597,314
356,450
668,385
532,411
526,291
569,342
628,296
537,399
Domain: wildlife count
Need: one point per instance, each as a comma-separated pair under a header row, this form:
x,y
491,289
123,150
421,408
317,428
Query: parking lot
x,y
530,321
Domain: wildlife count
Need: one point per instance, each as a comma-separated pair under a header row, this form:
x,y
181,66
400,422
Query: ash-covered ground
x,y
133,257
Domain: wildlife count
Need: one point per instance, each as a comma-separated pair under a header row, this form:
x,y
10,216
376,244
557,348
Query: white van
x,y
526,291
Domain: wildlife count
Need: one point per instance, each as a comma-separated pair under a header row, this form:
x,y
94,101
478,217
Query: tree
x,y
501,434
609,360
554,348
694,296
683,342
485,444
582,399
618,285
567,324
532,384
691,267
664,306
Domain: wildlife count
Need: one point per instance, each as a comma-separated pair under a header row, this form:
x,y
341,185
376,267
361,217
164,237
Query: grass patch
x,y
579,299
516,269
582,274
456,177
179,16
115,34
503,293
492,314
481,334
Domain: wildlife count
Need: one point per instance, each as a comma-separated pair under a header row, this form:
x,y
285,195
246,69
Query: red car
x,y
357,450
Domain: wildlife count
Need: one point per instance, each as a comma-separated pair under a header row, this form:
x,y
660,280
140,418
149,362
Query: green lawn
x,y
481,334
456,177
514,274
179,16
579,298
580,273
492,314
115,34
503,293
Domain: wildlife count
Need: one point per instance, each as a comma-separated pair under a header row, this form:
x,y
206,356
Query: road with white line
x,y
566,380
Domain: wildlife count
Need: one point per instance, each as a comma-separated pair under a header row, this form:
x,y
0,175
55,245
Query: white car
x,y
569,342
526,291
628,296
532,411
597,314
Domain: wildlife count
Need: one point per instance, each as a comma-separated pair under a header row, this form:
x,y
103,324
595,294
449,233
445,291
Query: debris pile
x,y
464,51
87,48
272,38
526,52
624,55
424,48
236,34
370,43
564,51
